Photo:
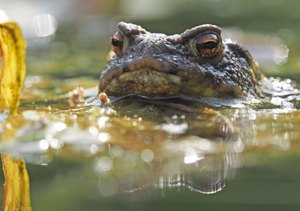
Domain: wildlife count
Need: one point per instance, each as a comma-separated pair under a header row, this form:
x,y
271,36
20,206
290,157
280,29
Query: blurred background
x,y
74,35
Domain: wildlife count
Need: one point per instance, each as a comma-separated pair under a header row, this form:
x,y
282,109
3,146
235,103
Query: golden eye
x,y
208,45
117,43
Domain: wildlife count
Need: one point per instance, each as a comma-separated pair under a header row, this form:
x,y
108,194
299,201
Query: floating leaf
x,y
12,65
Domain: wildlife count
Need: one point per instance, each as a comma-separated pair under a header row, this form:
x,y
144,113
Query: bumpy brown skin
x,y
155,64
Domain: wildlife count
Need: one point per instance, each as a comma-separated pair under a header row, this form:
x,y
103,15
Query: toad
x,y
197,62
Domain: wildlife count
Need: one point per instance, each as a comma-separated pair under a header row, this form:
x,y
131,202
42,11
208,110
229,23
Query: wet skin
x,y
195,63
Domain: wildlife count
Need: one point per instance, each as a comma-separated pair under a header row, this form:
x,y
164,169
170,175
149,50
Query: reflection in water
x,y
278,128
153,147
132,152
16,187
148,145
205,174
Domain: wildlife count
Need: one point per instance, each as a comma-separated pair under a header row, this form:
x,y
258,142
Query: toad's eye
x,y
208,45
117,43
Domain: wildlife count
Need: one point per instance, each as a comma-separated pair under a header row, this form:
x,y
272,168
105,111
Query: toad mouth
x,y
144,76
143,81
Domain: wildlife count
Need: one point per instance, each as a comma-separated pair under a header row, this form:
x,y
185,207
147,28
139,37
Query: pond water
x,y
141,153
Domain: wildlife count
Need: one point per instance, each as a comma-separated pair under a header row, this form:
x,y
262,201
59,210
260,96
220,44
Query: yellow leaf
x,y
12,65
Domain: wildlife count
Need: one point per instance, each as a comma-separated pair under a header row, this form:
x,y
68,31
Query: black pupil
x,y
207,45
115,42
